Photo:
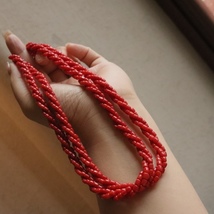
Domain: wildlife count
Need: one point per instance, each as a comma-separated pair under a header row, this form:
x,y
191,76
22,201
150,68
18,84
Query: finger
x,y
48,67
16,46
84,54
24,98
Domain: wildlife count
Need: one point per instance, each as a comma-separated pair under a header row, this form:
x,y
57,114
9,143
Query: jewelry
x,y
153,166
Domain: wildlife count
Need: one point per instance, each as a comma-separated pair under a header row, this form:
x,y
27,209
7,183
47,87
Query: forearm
x,y
172,194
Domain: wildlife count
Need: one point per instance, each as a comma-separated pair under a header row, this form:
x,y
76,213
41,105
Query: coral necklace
x,y
152,166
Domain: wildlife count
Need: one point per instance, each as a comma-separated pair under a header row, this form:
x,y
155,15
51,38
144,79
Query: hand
x,y
89,120
72,97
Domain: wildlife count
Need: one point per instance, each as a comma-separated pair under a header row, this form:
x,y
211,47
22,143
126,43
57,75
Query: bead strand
x,y
153,156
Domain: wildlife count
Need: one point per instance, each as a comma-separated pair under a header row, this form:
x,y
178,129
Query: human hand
x,y
61,84
89,120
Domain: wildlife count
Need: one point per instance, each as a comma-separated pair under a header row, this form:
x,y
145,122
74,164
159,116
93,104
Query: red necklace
x,y
41,91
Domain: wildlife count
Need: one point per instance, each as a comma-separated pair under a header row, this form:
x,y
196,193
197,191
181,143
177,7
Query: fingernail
x,y
41,60
14,44
6,34
8,68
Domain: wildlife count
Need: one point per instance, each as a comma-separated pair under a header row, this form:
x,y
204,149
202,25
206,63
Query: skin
x,y
172,194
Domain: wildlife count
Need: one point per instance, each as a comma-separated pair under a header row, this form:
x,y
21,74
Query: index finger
x,y
16,46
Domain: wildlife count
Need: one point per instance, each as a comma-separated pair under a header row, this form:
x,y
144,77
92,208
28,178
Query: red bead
x,y
146,176
159,168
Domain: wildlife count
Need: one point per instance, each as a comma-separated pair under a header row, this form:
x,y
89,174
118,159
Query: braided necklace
x,y
152,166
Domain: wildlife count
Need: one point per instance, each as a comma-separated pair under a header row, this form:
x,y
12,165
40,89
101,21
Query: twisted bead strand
x,y
41,91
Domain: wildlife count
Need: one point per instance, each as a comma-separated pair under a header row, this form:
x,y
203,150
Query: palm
x,y
82,104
